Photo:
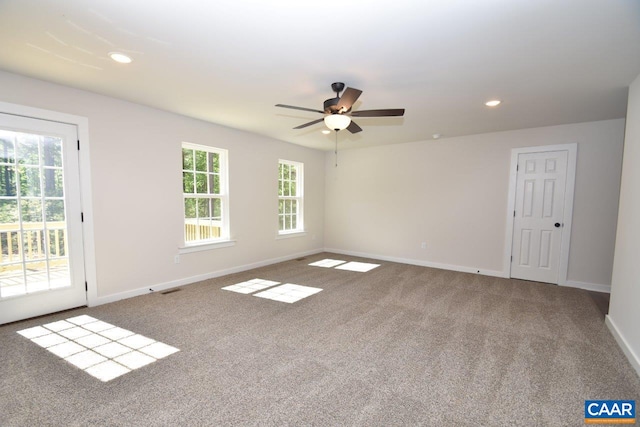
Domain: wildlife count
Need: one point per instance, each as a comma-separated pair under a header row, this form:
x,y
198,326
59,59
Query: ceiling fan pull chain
x,y
336,149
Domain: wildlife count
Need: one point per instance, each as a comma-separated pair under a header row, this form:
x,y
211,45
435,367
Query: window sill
x,y
206,246
290,234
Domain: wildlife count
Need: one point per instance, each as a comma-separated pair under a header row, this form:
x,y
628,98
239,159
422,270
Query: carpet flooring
x,y
398,345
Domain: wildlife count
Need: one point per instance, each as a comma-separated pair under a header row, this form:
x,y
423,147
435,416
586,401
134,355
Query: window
x,y
290,197
204,183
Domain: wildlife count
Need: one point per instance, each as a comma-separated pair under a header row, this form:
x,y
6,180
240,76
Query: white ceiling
x,y
231,61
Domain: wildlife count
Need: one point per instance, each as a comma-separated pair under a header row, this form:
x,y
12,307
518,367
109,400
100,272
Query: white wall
x,y
452,194
137,189
624,308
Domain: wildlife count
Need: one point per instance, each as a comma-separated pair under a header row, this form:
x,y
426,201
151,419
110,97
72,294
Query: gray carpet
x,y
399,345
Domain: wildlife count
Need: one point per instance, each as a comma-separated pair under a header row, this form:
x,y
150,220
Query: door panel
x,y
540,193
41,257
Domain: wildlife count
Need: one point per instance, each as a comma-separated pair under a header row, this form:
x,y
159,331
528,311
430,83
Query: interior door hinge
x,y
78,144
81,216
86,286
514,214
517,168
511,258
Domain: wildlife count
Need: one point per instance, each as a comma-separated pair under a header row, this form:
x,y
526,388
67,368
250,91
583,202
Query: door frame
x,y
567,215
86,199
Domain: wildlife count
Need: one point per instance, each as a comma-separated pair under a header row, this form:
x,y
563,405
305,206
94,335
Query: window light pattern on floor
x,y
361,267
99,348
327,263
251,286
288,292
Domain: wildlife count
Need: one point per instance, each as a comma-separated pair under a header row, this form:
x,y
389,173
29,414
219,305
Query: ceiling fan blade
x,y
348,98
379,113
353,127
309,124
299,108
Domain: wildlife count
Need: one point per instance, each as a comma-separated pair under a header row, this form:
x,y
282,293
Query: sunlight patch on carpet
x,y
288,293
251,286
101,349
327,263
361,267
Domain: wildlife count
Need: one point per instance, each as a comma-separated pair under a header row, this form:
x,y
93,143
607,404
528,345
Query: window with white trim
x,y
290,197
205,194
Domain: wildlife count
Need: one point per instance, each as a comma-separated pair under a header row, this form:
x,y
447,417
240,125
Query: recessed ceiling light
x,y
326,131
436,135
120,57
493,103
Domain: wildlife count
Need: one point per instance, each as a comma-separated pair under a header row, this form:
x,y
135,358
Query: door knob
x,y
557,225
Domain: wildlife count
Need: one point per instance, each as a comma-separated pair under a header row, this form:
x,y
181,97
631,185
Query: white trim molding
x,y
634,359
421,263
199,278
595,287
572,151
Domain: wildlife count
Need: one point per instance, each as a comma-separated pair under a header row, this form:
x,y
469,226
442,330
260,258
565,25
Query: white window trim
x,y
300,198
206,246
224,240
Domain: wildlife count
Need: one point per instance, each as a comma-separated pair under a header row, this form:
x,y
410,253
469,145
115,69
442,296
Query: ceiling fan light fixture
x,y
337,121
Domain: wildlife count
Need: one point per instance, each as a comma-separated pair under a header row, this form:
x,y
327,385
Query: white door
x,y
42,266
538,217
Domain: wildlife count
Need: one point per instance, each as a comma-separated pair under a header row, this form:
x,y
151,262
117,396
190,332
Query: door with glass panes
x,y
41,265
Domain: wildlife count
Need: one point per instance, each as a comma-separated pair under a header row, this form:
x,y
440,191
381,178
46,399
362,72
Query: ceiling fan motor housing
x,y
331,106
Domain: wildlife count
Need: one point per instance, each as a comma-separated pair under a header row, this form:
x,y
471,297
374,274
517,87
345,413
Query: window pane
x,y
189,207
187,182
287,186
294,189
57,242
280,169
7,153
294,207
187,159
214,162
30,181
280,188
204,208
201,161
53,185
294,222
214,183
8,211
281,220
201,183
31,210
7,180
287,222
285,171
217,209
28,149
280,206
293,173
54,210
52,152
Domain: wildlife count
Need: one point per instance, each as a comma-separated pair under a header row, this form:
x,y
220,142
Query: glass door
x,y
41,257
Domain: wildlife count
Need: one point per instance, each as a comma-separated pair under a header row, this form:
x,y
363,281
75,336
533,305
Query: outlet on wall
x,y
176,259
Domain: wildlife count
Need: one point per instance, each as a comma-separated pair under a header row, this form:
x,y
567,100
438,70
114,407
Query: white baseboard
x,y
588,286
482,271
623,343
194,279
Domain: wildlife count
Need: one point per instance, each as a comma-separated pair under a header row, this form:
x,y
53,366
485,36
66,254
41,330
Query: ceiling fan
x,y
338,110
